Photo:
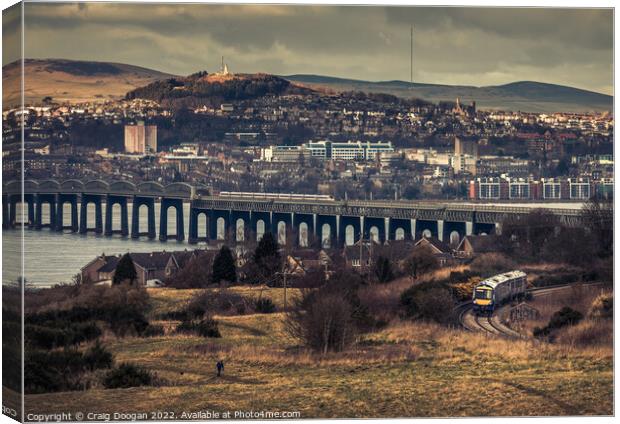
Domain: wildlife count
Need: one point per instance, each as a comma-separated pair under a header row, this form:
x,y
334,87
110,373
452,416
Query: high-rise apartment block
x,y
140,138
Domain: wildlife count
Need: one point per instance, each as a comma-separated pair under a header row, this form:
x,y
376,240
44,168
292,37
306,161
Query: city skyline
x,y
455,45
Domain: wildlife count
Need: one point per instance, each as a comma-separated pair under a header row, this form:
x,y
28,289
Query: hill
x,y
73,81
527,96
202,88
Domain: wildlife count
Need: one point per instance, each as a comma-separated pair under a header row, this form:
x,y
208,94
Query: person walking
x,y
220,367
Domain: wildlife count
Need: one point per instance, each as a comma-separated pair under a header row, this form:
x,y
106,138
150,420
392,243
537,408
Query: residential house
x,y
151,268
473,245
442,251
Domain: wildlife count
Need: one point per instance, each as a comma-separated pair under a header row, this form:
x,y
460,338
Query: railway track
x,y
491,324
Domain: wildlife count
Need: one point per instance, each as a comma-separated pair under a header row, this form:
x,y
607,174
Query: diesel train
x,y
492,292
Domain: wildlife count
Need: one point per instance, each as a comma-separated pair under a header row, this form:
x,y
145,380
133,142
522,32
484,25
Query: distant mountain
x,y
73,81
527,96
79,81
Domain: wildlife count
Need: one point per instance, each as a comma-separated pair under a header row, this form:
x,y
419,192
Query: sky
x,y
452,45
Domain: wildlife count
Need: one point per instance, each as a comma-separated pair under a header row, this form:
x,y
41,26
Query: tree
x,y
125,270
383,270
421,261
411,192
266,258
597,216
330,317
224,268
195,274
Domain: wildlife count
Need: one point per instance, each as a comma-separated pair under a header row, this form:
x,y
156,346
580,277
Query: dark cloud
x,y
453,45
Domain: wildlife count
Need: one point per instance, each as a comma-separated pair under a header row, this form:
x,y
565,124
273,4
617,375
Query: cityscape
x,y
220,236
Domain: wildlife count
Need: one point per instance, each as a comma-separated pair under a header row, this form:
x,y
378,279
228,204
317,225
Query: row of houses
x,y
501,188
154,268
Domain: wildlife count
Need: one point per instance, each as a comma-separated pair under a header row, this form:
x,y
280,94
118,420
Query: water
x,y
52,257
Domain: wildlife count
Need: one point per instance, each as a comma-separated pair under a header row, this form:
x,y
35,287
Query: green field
x,y
405,370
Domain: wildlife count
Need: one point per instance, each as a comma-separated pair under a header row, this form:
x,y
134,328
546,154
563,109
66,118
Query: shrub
x,y
463,291
127,375
153,330
428,300
98,357
207,327
51,371
602,307
52,334
562,318
435,304
215,301
264,305
489,264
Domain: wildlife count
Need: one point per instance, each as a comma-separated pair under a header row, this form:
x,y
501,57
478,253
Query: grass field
x,y
405,370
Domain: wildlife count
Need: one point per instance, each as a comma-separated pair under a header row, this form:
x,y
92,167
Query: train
x,y
493,292
283,196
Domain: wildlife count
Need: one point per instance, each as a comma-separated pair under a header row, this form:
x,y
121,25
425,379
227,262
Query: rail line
x,y
491,324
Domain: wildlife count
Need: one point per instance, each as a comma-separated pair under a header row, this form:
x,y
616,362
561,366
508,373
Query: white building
x,y
579,188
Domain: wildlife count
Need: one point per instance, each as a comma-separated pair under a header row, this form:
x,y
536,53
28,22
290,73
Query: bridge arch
x,y
49,186
96,187
260,229
122,187
150,188
349,235
326,236
303,235
281,231
183,190
239,230
72,186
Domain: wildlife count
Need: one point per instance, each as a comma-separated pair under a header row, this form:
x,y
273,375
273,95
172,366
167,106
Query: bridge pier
x,y
6,218
138,202
177,204
97,200
62,199
40,201
109,207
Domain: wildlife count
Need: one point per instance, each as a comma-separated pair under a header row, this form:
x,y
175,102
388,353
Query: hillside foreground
x,y
407,369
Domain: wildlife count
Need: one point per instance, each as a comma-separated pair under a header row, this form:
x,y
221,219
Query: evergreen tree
x,y
267,248
267,257
383,270
125,270
224,268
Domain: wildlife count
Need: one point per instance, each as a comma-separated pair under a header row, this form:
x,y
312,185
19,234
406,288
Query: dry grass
x,y
405,370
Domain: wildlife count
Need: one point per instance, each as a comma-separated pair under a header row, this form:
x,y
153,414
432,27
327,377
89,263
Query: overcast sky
x,y
470,46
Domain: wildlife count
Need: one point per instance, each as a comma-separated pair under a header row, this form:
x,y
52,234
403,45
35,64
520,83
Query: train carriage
x,y
496,290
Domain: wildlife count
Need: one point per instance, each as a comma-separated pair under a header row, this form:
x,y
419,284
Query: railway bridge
x,y
302,221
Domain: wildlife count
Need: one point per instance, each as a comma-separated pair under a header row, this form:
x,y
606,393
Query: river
x,y
55,257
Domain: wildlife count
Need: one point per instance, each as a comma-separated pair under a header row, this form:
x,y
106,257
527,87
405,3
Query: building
x,y
442,251
492,166
288,154
151,268
552,189
486,188
465,147
464,164
351,150
141,139
519,189
579,188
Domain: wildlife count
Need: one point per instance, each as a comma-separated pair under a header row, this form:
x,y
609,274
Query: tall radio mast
x,y
411,57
